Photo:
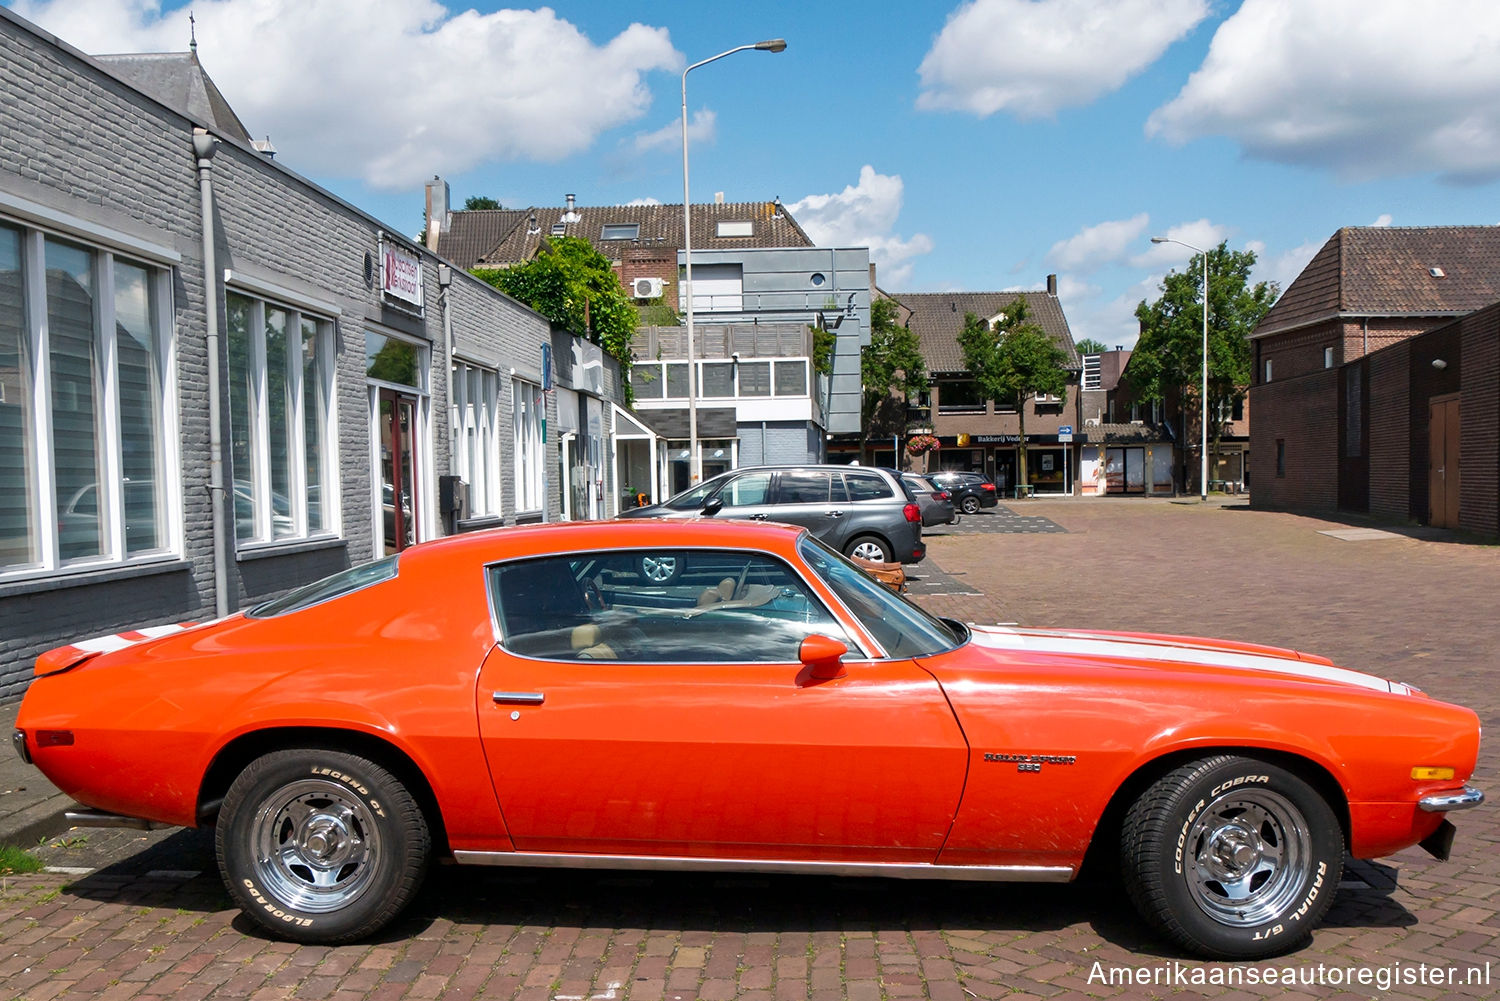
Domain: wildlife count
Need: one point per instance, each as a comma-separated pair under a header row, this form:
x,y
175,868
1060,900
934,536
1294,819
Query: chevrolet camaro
x,y
531,697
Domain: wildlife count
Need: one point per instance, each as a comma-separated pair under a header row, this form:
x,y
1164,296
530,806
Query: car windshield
x,y
903,629
336,586
692,500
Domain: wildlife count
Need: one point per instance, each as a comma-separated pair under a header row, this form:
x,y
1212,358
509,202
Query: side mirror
x,y
820,655
712,506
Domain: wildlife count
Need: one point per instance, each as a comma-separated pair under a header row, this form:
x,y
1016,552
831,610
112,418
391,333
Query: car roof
x,y
515,541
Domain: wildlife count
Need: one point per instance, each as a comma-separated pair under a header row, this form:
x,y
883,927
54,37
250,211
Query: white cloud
x,y
1163,256
1111,322
1033,57
391,91
1367,88
1384,219
864,215
1097,246
645,201
702,128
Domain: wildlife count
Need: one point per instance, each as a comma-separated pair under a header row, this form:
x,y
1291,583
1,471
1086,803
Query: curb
x,y
36,823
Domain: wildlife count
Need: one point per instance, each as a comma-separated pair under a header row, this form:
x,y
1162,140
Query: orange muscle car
x,y
536,697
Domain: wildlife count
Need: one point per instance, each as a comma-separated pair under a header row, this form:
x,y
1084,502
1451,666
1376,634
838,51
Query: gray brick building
x,y
357,371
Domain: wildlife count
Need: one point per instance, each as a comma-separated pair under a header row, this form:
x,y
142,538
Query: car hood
x,y
1221,658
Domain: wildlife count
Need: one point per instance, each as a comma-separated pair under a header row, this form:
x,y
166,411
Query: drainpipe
x,y
204,147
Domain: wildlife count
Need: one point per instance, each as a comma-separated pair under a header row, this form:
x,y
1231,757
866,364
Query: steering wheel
x,y
593,597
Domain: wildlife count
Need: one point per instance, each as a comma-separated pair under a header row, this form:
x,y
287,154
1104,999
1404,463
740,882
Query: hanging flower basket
x,y
921,444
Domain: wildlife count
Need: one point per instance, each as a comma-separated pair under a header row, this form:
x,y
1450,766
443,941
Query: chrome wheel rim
x,y
869,551
1248,856
316,846
971,504
658,569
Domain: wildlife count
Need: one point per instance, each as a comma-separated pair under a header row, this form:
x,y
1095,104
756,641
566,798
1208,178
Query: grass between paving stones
x,y
14,861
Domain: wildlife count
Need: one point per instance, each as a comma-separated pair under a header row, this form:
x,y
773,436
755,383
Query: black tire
x,y
970,504
869,547
321,846
1231,857
660,568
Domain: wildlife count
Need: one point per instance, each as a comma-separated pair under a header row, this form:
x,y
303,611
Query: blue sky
x,y
973,146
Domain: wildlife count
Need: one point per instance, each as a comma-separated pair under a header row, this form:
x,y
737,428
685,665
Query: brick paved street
x,y
1418,611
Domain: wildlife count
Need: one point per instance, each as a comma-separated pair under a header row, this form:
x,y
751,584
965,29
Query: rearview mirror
x,y
820,655
712,506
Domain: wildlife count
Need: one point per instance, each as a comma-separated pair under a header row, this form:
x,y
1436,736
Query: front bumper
x,y
18,741
1445,802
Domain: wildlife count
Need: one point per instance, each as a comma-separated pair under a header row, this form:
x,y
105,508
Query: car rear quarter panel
x,y
1115,718
397,661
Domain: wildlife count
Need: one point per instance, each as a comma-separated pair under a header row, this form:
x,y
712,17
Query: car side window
x,y
719,607
866,486
746,489
803,487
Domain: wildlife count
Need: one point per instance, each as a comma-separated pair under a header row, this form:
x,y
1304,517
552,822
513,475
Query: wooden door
x,y
1443,425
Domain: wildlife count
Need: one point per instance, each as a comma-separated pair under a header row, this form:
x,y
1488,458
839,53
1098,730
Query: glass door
x,y
397,419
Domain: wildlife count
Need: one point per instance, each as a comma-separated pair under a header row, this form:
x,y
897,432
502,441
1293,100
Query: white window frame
x,y
476,437
109,490
528,414
260,423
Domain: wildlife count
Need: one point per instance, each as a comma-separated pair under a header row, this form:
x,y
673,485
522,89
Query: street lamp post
x,y
695,461
1203,400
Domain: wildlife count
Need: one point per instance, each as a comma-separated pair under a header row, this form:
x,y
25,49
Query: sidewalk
x,y
31,808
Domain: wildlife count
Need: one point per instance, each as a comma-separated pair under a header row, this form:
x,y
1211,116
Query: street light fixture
x,y
1203,406
695,461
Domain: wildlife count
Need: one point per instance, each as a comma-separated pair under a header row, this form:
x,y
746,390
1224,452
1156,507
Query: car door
x,y
676,719
747,495
813,499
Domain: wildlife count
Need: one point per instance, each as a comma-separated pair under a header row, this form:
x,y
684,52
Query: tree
x,y
574,286
1169,354
480,202
1014,359
892,370
1089,346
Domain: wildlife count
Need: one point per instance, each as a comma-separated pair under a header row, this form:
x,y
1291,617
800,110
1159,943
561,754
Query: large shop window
x,y
476,436
529,408
280,421
87,431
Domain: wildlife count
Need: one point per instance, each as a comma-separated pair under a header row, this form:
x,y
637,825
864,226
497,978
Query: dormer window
x,y
559,229
620,231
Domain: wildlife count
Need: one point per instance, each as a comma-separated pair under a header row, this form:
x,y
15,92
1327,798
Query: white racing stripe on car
x,y
119,641
1064,643
104,644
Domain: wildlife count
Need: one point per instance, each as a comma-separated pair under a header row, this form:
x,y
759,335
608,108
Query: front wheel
x,y
320,845
867,547
1232,857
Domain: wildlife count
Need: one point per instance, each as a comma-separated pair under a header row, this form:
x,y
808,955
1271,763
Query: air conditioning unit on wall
x,y
647,288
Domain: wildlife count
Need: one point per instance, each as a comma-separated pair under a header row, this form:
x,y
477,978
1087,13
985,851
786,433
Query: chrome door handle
x,y
758,517
834,514
519,698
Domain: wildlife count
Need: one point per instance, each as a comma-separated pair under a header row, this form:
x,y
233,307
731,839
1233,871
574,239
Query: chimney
x,y
571,215
718,198
437,211
264,147
1052,285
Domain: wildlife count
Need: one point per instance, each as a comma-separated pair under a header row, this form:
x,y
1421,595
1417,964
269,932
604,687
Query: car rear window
x,y
342,583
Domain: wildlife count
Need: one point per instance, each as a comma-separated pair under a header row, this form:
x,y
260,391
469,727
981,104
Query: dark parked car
x,y
862,511
936,503
971,491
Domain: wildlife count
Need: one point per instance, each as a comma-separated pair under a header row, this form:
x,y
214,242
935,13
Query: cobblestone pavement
x,y
1419,610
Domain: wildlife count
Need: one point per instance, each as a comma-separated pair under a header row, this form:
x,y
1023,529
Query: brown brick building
x,y
1376,386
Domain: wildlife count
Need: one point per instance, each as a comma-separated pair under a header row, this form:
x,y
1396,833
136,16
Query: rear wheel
x,y
970,504
868,547
1232,857
321,845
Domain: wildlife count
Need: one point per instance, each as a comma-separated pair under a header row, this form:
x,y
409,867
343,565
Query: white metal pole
x,y
695,461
